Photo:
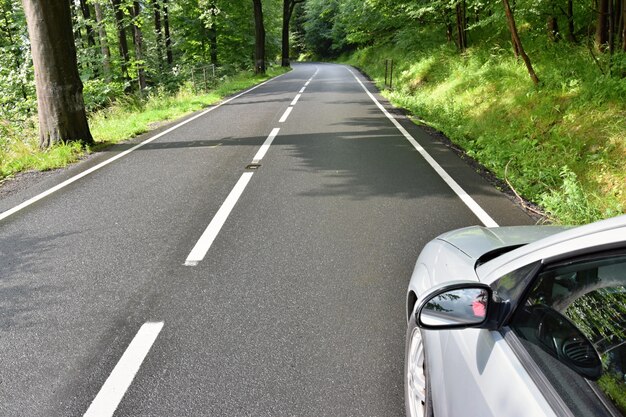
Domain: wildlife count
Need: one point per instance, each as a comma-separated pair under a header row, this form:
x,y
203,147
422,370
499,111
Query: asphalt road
x,y
297,307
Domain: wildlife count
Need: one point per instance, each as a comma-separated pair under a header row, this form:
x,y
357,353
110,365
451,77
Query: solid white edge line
x,y
116,385
295,99
283,119
302,90
266,146
203,245
464,196
75,178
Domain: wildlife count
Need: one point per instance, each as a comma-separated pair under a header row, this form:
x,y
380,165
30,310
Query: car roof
x,y
605,234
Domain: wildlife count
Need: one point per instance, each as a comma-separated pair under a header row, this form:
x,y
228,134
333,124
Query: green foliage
x,y
562,145
129,116
615,389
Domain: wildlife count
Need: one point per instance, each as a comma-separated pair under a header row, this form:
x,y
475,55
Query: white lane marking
x,y
285,115
295,99
206,240
469,201
306,84
266,146
116,385
75,178
302,90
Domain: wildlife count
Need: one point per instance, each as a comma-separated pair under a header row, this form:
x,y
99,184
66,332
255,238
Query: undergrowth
x,y
561,145
126,117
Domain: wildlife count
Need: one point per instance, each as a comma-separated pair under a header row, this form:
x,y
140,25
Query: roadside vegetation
x,y
129,116
137,62
560,144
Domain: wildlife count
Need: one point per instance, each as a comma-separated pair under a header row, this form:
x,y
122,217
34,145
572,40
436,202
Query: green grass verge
x,y
128,117
561,145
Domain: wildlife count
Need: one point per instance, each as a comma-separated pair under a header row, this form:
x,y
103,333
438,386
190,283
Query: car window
x,y
572,323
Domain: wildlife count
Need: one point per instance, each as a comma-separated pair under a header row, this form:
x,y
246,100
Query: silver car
x,y
519,321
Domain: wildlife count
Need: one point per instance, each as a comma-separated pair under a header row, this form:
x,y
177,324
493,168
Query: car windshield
x,y
573,326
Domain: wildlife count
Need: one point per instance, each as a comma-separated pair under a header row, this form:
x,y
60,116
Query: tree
x,y
121,34
61,108
259,31
517,42
104,43
288,6
168,38
138,42
158,30
84,7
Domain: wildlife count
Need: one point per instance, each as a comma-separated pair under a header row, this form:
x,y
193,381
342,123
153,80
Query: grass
x,y
561,145
129,116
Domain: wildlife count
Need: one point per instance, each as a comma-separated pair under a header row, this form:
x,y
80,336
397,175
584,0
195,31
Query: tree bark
x,y
259,32
158,30
517,41
168,39
138,42
121,34
61,112
84,7
288,7
461,25
602,25
623,25
552,25
213,36
104,43
571,36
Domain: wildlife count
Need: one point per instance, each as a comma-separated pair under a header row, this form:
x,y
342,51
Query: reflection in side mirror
x,y
454,308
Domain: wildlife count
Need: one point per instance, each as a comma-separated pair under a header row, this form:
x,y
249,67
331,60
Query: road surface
x,y
251,261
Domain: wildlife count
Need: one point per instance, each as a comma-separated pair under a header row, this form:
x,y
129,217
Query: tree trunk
x,y
288,7
461,25
121,34
570,21
517,41
168,39
138,42
104,43
259,32
623,25
602,25
213,36
62,114
158,30
285,35
553,29
84,7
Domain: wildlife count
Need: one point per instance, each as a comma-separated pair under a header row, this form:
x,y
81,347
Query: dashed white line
x,y
206,240
283,119
295,99
203,245
75,178
464,196
266,146
116,385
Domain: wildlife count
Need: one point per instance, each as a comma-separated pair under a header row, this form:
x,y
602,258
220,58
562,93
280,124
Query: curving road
x,y
252,261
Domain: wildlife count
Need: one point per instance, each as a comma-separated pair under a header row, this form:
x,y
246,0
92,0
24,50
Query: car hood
x,y
476,241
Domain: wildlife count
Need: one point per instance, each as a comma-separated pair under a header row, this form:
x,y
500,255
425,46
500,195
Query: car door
x,y
475,372
561,350
568,332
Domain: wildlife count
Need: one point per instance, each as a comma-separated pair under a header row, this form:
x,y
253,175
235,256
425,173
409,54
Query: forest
x,y
534,90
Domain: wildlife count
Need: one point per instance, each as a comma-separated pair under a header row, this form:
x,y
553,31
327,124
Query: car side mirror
x,y
457,304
